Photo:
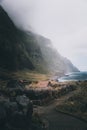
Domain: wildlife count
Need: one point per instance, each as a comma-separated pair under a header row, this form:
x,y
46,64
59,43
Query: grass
x,y
27,75
77,104
24,74
31,75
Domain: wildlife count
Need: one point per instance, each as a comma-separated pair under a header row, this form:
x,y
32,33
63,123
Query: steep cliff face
x,y
17,48
25,50
56,63
69,67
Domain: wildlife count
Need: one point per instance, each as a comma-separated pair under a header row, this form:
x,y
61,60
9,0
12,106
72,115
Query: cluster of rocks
x,y
16,109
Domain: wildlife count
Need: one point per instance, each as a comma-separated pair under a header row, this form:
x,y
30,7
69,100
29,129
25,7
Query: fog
x,y
62,21
1,1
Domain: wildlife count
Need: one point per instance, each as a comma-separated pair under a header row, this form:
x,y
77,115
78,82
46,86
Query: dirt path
x,y
60,121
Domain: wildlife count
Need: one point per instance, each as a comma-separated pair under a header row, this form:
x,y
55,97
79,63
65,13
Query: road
x,y
60,121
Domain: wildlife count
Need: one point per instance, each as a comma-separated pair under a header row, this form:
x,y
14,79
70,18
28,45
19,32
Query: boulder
x,y
2,114
15,87
17,114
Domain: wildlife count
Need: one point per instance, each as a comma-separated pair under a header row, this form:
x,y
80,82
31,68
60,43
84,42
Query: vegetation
x,y
27,61
76,104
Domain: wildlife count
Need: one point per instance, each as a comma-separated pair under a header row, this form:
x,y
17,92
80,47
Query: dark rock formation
x,y
16,114
16,47
14,88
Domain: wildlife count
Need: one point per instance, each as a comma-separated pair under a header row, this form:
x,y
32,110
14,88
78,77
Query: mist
x,y
1,1
64,22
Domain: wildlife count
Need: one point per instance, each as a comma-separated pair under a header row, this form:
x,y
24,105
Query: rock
x,y
2,114
15,84
11,107
15,87
22,100
17,120
16,114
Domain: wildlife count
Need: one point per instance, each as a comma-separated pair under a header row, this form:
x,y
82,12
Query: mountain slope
x,y
56,62
17,49
25,50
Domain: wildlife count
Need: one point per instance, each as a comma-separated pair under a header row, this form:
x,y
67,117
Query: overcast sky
x,y
62,21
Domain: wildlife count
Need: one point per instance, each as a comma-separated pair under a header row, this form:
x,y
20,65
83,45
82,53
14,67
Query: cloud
x,y
20,11
63,21
1,1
